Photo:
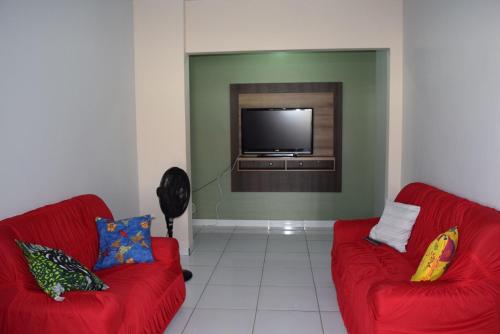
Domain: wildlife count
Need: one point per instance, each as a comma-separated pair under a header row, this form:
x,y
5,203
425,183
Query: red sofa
x,y
373,285
141,298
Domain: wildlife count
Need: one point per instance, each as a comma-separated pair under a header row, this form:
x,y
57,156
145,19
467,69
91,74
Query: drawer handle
x,y
301,163
270,164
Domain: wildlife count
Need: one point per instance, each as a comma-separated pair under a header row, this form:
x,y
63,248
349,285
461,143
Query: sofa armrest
x,y
441,306
166,250
352,230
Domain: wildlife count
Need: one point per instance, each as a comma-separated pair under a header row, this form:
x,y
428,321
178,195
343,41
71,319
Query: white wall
x,y
67,118
214,26
162,116
452,99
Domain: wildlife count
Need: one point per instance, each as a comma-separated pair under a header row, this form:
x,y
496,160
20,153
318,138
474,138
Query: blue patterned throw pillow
x,y
124,241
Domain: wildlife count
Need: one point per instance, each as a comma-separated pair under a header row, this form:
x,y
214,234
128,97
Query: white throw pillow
x,y
395,225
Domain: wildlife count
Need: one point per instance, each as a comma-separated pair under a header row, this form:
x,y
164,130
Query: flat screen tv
x,y
277,131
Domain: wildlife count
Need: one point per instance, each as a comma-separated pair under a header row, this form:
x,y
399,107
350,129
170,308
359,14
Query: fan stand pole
x,y
170,227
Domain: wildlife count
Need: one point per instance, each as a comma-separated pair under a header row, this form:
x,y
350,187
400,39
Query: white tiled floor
x,y
258,281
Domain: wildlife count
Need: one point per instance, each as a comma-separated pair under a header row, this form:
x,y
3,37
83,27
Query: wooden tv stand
x,y
309,164
318,172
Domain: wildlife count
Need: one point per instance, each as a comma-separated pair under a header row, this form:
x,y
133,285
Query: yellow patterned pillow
x,y
437,257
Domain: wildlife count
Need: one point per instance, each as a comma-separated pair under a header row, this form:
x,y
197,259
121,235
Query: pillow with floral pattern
x,y
124,241
56,272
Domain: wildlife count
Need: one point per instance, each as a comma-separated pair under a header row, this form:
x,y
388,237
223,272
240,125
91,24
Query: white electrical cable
x,y
219,186
221,193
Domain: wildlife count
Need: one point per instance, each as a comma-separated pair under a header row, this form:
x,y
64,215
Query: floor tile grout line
x,y
260,284
315,288
206,284
266,252
288,286
267,309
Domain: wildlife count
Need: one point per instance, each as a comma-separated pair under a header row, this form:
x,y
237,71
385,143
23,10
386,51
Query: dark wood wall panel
x,y
287,181
326,100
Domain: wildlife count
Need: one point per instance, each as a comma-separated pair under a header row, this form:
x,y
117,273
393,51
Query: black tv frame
x,y
279,152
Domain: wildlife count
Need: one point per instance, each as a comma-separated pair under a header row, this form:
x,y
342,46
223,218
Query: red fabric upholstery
x,y
373,285
141,297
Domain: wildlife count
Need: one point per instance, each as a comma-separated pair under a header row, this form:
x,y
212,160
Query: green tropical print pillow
x,y
57,272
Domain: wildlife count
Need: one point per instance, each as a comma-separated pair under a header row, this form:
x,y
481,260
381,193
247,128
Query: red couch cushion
x,y
142,298
150,291
358,266
28,310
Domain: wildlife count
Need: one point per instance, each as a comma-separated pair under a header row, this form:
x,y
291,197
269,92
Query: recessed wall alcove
x,y
363,75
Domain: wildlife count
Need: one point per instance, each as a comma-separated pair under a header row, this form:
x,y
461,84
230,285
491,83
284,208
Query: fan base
x,y
187,275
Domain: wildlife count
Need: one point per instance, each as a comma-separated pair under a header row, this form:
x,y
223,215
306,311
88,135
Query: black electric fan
x,y
174,192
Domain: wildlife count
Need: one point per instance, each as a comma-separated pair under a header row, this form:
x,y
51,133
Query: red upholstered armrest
x,y
436,307
166,250
352,230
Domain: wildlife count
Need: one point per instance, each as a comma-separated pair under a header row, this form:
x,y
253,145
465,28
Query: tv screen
x,y
276,130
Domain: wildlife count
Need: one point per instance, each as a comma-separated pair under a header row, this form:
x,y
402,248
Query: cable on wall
x,y
217,179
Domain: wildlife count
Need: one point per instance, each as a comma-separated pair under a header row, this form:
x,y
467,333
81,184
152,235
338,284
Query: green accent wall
x,y
364,128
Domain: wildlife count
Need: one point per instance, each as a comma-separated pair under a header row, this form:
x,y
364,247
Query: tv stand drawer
x,y
261,164
310,164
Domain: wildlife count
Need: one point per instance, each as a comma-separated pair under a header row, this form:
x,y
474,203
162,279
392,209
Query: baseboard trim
x,y
270,223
